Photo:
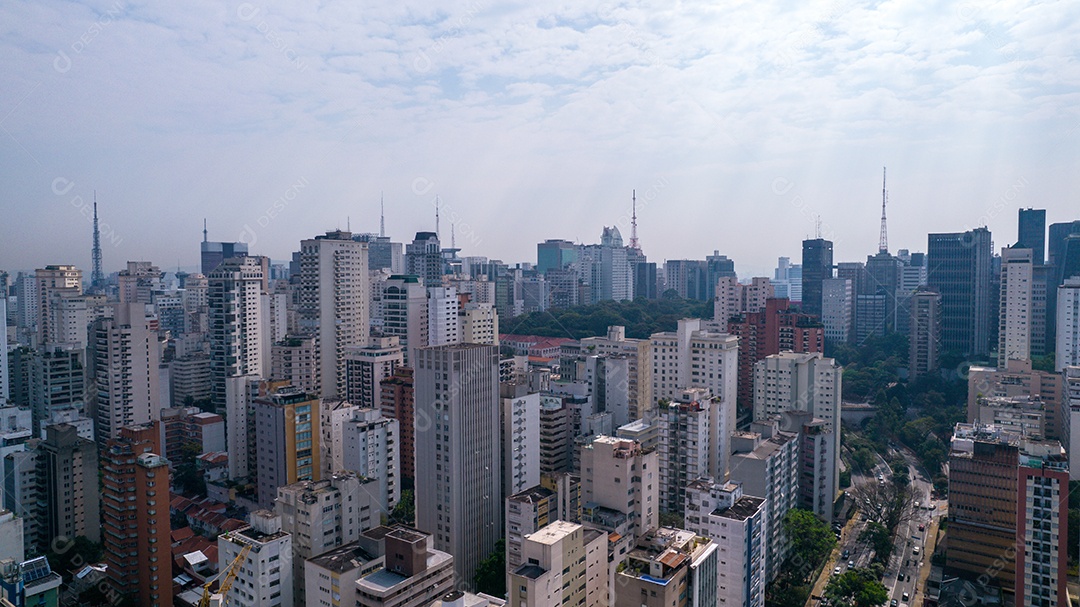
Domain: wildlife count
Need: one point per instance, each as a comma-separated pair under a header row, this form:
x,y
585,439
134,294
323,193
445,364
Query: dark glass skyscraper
x,y
1031,232
817,263
959,268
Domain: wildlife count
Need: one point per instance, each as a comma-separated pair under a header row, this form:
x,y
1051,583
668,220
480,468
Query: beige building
x,y
640,356
618,476
564,564
295,360
414,573
126,356
1017,380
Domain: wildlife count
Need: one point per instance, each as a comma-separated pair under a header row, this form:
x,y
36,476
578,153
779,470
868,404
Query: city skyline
x,y
531,124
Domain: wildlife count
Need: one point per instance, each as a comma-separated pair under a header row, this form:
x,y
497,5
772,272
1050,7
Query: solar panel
x,y
35,569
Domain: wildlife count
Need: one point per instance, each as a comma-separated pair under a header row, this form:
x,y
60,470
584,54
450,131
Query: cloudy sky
x,y
737,123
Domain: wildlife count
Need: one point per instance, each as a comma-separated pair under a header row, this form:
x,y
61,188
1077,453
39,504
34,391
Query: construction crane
x,y
217,599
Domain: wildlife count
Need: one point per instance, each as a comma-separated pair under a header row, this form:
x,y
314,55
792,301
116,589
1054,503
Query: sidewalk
x,y
924,569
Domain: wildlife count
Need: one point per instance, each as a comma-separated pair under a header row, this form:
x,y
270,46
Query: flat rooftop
x,y
343,558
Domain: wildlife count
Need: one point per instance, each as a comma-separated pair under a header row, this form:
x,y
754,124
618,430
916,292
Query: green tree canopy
x,y
857,588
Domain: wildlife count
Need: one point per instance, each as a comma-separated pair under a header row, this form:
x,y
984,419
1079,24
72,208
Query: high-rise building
x,y
135,516
694,444
693,357
369,447
137,283
367,366
817,265
563,564
333,302
1042,524
924,338
527,511
555,255
322,515
212,254
240,392
837,309
458,462
423,258
983,502
1017,380
792,381
295,360
125,356
1067,350
640,365
414,571
959,268
764,462
288,449
265,576
669,564
1032,233
442,316
736,524
189,376
479,323
239,324
620,483
520,415
1016,306
68,477
397,401
818,461
689,278
881,289
52,283
55,382
405,310
383,254
772,330
22,494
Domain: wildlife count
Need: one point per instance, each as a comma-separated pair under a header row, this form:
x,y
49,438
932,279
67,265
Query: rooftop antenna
x,y
97,277
204,229
436,216
817,227
633,222
453,241
883,241
382,216
348,223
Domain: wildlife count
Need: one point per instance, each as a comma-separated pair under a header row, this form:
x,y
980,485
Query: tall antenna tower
x,y
436,215
204,229
382,216
97,277
633,223
453,240
883,240
817,227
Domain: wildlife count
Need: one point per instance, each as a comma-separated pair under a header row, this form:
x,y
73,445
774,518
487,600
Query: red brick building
x,y
774,329
397,401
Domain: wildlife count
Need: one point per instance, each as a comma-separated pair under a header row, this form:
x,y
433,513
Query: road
x,y
909,537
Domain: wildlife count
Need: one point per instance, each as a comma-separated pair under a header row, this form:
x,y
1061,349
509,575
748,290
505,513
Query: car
x,y
899,577
915,550
905,597
922,527
893,603
846,554
916,504
836,571
851,564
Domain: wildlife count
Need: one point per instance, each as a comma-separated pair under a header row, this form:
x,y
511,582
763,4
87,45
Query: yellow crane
x,y
218,598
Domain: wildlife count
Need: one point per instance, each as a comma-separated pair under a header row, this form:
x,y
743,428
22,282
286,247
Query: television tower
x,y
883,240
633,223
382,216
436,216
97,277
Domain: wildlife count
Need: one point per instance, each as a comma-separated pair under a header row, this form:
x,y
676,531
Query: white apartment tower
x,y
458,460
736,523
520,440
239,326
240,391
837,307
126,356
265,577
405,310
1017,305
798,381
369,446
443,322
1068,324
333,302
479,324
368,365
692,357
640,365
50,284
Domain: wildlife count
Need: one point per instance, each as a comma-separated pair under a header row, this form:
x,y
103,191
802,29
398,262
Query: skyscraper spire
x,y
382,216
883,240
633,222
97,277
204,239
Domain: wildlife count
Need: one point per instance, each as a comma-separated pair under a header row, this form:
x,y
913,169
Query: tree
x,y
405,510
67,557
845,479
811,539
189,479
880,539
490,575
888,504
857,588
